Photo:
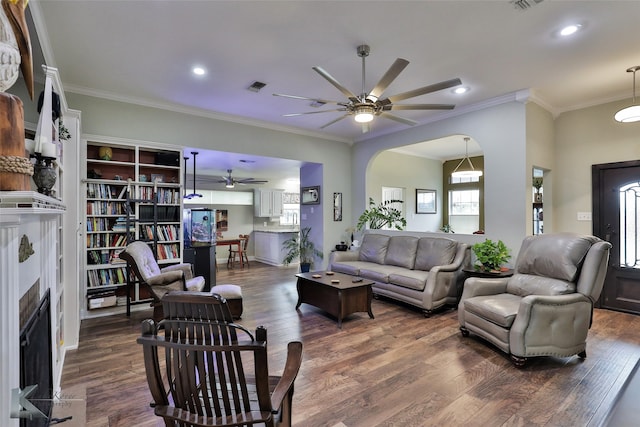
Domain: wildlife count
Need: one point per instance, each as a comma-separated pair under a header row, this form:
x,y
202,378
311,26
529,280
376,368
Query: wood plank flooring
x,y
399,369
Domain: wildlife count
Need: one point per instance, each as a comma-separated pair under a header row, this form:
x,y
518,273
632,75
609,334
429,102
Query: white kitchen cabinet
x,y
268,202
268,246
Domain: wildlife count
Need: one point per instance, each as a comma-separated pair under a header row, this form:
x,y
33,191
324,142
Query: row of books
x,y
107,277
165,232
121,225
106,208
104,256
106,240
168,196
171,251
105,191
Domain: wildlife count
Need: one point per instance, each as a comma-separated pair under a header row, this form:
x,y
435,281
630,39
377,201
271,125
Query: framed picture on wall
x,y
425,201
310,195
337,206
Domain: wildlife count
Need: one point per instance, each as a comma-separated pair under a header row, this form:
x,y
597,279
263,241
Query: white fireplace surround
x,y
25,213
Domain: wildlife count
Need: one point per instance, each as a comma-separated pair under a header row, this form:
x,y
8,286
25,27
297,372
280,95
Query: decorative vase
x,y
105,153
44,176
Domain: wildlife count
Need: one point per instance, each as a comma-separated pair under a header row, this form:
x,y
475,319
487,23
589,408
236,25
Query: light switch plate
x,y
584,216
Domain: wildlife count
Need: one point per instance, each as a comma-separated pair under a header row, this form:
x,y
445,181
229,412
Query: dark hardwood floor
x,y
398,369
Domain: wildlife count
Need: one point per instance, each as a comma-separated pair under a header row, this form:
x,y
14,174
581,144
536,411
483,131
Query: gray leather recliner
x,y
546,307
177,277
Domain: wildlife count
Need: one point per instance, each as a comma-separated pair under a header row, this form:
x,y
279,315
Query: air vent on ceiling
x,y
524,4
256,86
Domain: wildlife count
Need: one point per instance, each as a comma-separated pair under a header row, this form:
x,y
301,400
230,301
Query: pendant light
x,y
631,113
194,194
464,172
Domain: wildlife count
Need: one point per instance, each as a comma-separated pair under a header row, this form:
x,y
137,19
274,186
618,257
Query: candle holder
x,y
44,175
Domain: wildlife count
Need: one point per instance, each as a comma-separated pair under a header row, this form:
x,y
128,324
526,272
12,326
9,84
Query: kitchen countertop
x,y
276,230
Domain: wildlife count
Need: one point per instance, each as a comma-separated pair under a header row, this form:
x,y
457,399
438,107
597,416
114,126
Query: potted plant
x,y
302,247
382,215
490,255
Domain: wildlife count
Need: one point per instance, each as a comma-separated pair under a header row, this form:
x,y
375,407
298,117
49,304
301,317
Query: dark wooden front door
x,y
616,218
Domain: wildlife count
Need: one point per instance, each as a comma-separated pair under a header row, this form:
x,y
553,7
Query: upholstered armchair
x,y
546,307
177,277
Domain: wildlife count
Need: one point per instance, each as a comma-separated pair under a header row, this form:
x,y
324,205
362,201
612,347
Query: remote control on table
x,y
357,279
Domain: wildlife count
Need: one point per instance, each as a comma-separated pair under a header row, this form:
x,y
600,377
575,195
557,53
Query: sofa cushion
x,y
401,251
527,284
377,272
558,256
374,248
500,309
347,267
433,251
412,279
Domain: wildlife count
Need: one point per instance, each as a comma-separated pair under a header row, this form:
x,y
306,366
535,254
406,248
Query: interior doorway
x,y
616,219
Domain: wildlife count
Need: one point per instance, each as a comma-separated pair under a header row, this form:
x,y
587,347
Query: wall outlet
x,y
584,216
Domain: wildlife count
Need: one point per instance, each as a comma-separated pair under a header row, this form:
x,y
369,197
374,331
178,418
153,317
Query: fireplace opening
x,y
36,361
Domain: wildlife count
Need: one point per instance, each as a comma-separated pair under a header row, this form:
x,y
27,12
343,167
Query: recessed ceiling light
x,y
199,71
460,90
569,30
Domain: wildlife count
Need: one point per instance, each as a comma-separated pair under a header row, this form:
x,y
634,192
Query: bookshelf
x,y
132,192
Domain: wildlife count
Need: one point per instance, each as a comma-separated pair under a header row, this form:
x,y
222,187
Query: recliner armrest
x,y
476,286
166,278
184,267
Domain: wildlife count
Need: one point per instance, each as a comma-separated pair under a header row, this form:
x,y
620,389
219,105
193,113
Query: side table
x,y
487,274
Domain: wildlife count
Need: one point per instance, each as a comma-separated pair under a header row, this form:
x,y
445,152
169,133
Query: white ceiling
x,y
143,52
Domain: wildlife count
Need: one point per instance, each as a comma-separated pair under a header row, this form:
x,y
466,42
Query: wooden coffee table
x,y
339,299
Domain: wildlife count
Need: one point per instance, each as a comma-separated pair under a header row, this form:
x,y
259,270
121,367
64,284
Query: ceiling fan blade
x,y
398,119
391,74
423,90
250,181
397,107
313,112
304,98
346,92
334,121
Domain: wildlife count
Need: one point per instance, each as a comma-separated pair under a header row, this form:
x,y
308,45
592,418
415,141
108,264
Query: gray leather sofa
x,y
425,272
546,307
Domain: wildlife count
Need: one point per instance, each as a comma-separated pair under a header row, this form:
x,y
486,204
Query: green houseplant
x,y
382,215
302,247
490,255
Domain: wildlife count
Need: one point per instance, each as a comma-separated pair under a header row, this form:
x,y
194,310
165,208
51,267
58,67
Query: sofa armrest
x,y
461,258
184,267
342,256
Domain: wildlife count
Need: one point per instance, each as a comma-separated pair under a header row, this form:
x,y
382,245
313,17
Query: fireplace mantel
x,y
39,218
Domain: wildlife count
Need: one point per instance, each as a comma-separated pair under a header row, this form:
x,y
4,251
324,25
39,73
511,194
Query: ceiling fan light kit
x,y
365,107
466,173
364,114
632,113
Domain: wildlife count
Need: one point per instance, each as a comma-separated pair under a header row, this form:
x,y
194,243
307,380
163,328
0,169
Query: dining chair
x,y
240,252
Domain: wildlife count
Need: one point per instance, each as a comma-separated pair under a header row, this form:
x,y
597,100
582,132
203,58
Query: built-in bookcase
x,y
132,192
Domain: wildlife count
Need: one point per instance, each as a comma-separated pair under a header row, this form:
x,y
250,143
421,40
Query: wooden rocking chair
x,y
201,374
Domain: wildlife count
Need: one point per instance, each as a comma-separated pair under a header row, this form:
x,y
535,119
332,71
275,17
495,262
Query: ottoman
x,y
233,295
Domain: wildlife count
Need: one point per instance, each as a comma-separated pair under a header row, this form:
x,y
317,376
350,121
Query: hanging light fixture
x,y
466,173
631,113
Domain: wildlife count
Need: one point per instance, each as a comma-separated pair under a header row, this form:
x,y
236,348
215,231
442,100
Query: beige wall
x,y
121,120
390,169
541,155
583,138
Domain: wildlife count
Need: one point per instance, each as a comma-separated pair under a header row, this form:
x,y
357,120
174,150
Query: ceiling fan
x,y
367,105
230,181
